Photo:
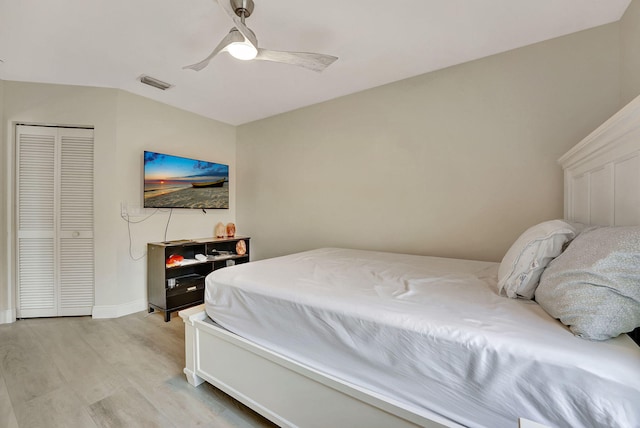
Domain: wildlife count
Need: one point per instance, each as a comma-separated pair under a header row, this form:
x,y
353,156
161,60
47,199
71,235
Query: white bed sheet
x,y
428,333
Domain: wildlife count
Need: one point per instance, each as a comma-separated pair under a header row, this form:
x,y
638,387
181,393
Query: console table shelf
x,y
171,288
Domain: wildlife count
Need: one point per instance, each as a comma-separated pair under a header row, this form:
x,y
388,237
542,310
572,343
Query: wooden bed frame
x,y
602,186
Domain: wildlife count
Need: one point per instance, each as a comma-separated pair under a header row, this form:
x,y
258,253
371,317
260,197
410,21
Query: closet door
x,y
55,221
36,184
75,228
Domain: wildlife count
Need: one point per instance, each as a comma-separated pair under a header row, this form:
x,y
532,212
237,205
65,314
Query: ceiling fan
x,y
241,43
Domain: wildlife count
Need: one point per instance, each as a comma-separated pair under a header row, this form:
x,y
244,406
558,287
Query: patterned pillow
x,y
523,264
594,286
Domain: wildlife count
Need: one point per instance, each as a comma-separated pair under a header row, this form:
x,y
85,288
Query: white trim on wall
x,y
116,311
7,316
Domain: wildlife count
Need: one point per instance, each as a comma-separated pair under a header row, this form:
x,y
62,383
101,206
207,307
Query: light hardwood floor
x,y
125,372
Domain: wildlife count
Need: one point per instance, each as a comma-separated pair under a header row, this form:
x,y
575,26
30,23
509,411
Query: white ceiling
x,y
111,43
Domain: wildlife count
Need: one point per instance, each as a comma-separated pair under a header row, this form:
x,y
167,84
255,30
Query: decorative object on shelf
x,y
231,230
176,270
174,260
241,248
220,230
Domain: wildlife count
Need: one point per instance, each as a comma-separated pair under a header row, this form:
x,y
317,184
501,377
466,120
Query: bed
x,y
340,337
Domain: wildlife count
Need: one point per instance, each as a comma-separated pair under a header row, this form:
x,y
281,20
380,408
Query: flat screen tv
x,y
177,182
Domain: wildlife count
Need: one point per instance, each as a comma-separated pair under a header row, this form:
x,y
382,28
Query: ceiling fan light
x,y
242,50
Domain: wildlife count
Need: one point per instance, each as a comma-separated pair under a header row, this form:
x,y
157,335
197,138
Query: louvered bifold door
x,y
55,254
75,244
36,184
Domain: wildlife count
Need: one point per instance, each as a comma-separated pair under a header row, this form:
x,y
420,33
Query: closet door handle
x,y
75,234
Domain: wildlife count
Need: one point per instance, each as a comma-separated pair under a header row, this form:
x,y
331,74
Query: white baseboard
x,y
107,311
7,316
116,311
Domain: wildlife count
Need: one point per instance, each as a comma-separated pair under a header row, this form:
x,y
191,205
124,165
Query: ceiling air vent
x,y
148,80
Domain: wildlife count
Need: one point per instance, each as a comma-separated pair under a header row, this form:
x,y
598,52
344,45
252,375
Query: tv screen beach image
x,y
177,182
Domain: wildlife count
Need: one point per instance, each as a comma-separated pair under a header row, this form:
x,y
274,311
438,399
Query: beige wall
x,y
55,104
453,163
630,52
141,125
125,125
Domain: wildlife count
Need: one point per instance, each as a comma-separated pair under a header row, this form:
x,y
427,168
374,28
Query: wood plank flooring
x,y
126,372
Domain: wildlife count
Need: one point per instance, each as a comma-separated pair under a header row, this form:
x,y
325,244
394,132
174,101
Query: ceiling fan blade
x,y
231,37
312,61
244,30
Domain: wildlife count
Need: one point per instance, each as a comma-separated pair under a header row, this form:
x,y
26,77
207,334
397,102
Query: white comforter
x,y
431,335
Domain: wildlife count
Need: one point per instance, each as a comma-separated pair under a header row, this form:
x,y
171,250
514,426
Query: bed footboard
x,y
283,391
189,316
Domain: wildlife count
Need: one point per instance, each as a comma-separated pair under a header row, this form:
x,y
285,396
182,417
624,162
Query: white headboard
x,y
602,172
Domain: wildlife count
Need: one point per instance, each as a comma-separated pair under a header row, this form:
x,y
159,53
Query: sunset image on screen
x,y
178,182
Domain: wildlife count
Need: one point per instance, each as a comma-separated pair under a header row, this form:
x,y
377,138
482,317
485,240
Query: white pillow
x,y
594,286
521,267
